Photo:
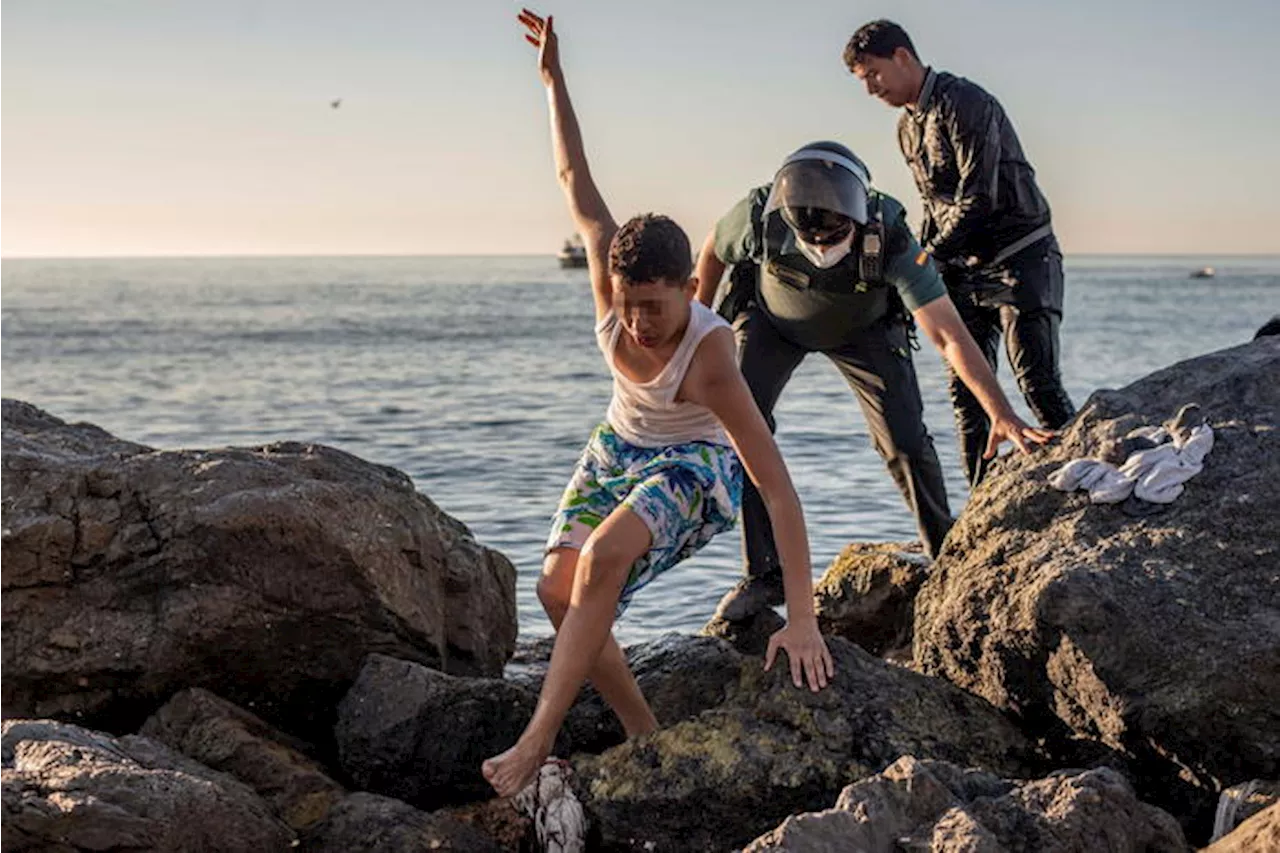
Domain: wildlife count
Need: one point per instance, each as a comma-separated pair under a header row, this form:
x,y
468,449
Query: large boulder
x,y
771,749
420,735
1258,834
224,737
751,635
69,789
1156,633
231,740
500,820
937,806
1241,802
263,574
680,676
369,823
868,594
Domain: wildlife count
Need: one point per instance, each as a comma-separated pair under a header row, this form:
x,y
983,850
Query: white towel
x,y
1156,475
1160,479
1102,480
558,818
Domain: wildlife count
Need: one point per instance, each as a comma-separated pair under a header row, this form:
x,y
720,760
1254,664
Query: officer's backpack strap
x,y
739,291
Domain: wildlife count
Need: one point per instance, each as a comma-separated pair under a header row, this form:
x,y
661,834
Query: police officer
x,y
985,222
824,263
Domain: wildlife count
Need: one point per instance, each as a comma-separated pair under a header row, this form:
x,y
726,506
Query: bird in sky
x,y
337,102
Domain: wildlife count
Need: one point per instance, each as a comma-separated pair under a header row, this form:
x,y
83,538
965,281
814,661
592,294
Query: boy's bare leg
x,y
601,571
611,675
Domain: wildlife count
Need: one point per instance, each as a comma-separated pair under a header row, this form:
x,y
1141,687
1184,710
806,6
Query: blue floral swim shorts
x,y
684,493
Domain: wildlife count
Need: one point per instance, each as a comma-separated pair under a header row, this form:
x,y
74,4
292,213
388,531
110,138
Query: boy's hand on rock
x,y
807,652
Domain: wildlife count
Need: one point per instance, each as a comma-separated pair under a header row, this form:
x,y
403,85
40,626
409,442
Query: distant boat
x,y
573,254
1204,272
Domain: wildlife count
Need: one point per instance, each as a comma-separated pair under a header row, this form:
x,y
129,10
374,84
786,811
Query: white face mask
x,y
825,257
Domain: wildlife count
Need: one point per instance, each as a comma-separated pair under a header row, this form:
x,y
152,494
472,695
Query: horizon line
x,y
376,255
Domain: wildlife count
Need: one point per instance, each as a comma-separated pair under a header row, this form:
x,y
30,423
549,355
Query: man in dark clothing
x,y
823,263
986,223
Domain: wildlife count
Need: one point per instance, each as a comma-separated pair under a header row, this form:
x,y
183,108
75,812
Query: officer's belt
x,y
1018,245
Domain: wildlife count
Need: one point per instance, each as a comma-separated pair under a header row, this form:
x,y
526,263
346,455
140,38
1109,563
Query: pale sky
x,y
176,127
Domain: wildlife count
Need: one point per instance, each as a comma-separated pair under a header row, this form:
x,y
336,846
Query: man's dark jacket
x,y
979,191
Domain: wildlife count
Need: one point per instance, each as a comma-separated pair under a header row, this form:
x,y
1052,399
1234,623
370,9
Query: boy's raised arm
x,y
590,214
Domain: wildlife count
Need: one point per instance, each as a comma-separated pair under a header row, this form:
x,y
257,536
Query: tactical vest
x,y
825,308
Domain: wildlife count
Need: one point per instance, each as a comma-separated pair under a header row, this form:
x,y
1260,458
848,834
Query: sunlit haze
x,y
185,128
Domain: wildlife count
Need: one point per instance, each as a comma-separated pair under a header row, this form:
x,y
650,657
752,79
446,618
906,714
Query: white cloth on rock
x,y
1156,475
1102,480
558,818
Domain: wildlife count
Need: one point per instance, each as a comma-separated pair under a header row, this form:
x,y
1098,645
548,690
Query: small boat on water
x,y
573,254
1204,272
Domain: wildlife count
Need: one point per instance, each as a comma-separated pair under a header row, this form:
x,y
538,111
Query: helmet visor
x,y
819,184
816,226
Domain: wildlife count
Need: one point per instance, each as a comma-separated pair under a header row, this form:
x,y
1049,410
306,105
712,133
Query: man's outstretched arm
x,y
942,324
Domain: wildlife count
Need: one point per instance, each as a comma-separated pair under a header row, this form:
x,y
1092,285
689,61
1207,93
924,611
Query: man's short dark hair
x,y
878,38
648,248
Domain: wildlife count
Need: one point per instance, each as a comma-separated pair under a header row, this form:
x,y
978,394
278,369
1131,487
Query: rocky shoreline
x,y
288,648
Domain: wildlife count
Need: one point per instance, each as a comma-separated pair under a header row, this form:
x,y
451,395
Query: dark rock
x,y
263,574
936,806
529,661
772,749
368,823
678,675
497,819
867,595
420,735
749,636
229,739
1269,328
1241,802
682,676
1258,834
1158,636
69,789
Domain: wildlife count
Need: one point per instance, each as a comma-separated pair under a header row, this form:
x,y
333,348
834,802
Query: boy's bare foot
x,y
512,771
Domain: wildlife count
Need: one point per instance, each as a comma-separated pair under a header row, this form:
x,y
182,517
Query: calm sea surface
x,y
479,377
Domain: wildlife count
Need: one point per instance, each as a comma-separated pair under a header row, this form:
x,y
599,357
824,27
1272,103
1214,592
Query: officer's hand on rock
x,y
1013,428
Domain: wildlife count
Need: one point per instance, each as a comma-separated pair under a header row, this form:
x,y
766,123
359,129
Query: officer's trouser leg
x,y
767,361
972,424
880,371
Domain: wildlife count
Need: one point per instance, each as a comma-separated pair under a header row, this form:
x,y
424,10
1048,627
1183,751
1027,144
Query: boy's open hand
x,y
807,652
542,35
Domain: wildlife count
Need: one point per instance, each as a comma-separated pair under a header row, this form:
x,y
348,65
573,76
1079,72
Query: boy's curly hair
x,y
649,248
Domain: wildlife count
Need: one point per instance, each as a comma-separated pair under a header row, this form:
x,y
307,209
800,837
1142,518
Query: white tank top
x,y
647,414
